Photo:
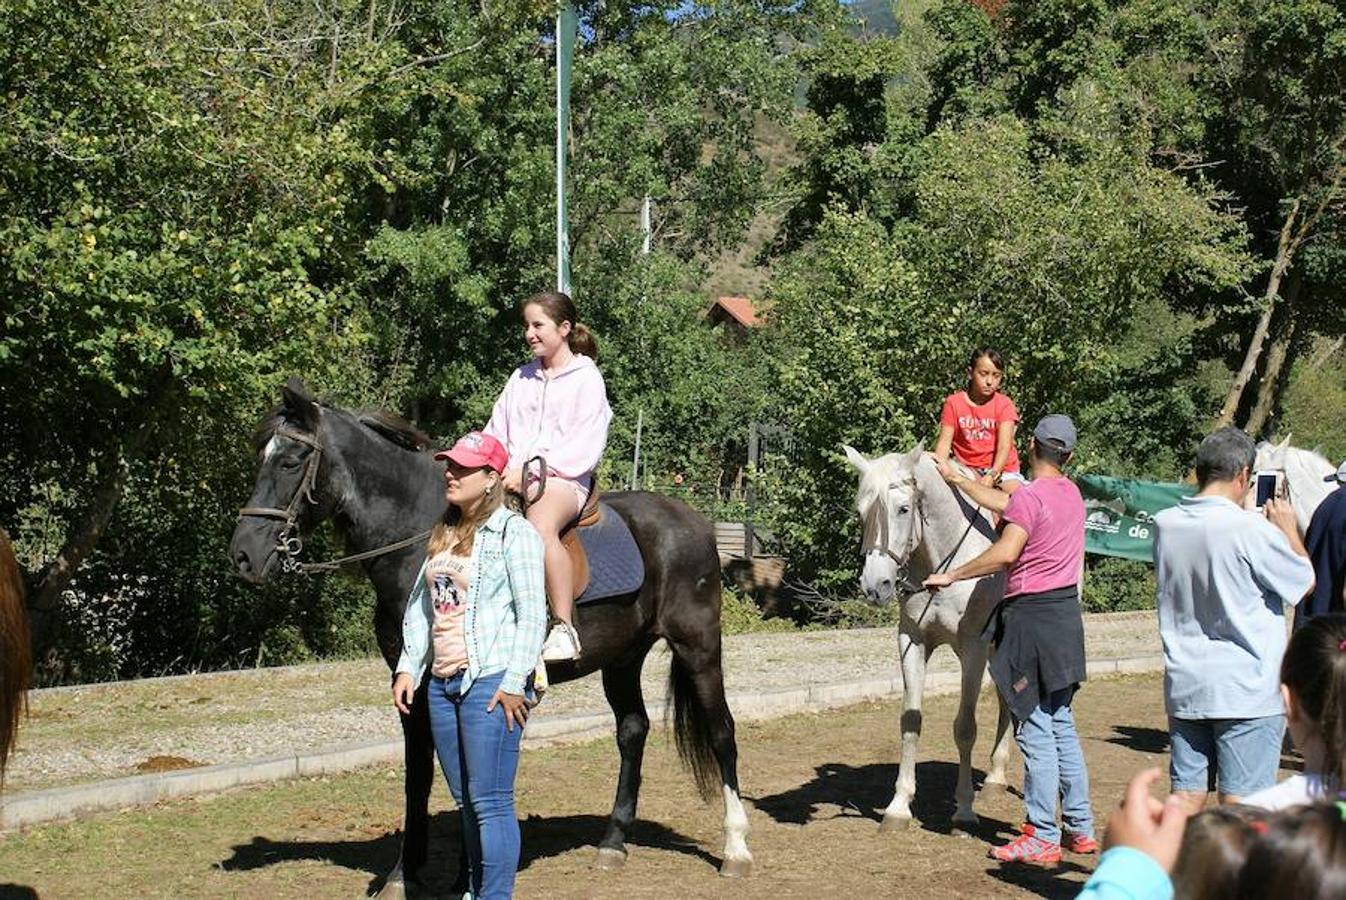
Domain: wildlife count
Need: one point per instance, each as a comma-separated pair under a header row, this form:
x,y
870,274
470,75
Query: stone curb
x,y
52,804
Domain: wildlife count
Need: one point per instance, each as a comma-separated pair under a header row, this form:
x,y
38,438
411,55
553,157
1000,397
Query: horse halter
x,y
876,537
289,543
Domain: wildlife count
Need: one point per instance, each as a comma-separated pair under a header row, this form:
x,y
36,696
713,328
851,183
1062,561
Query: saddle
x,y
603,553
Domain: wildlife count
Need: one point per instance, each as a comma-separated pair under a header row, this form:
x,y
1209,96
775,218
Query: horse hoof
x,y
736,868
393,889
965,824
994,788
610,860
893,824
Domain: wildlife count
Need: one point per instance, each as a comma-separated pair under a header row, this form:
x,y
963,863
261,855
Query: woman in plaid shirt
x,y
476,619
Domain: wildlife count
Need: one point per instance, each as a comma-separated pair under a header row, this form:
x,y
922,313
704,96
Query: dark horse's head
x,y
311,465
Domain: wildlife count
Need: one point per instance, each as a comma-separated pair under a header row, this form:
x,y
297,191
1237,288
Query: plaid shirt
x,y
506,616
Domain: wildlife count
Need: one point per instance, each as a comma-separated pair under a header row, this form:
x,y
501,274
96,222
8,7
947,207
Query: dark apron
x,y
1039,647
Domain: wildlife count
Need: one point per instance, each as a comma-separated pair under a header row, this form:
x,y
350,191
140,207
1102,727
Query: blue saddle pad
x,y
615,566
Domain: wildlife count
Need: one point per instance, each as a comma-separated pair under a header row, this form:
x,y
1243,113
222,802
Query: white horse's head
x,y
1306,473
888,502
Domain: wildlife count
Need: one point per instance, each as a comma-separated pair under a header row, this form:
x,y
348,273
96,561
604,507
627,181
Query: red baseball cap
x,y
475,450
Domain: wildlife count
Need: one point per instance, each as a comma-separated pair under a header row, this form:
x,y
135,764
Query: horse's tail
x,y
694,725
15,651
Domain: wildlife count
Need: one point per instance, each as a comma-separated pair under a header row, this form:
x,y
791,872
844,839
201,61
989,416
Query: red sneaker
x,y
1027,849
1079,843
1075,843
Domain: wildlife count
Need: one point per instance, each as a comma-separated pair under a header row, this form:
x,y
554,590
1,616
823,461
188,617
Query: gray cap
x,y
1340,477
1057,431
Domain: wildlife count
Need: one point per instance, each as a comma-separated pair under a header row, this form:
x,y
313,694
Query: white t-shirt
x,y
1297,790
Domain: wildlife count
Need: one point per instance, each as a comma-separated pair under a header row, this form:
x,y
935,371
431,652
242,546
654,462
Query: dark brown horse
x,y
16,660
373,476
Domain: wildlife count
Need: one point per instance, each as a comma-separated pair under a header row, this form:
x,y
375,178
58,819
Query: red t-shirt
x,y
975,429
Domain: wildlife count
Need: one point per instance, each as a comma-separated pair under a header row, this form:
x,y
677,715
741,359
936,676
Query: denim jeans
x,y
1054,767
480,759
1241,756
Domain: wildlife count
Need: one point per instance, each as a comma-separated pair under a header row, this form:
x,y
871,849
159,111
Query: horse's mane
x,y
386,425
16,659
1297,460
394,428
882,471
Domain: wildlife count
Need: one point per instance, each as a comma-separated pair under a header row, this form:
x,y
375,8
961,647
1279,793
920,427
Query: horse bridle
x,y
876,537
288,543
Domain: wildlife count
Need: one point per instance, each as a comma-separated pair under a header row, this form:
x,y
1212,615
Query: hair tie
x,y
1341,808
1258,825
1341,645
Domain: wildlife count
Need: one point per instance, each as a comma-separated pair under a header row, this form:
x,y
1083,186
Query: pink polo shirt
x,y
1051,510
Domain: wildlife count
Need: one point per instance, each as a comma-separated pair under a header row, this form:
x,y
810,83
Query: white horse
x,y
916,524
1306,472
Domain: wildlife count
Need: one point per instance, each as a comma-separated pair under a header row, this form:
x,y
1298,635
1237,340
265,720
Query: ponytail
x,y
1314,669
560,308
582,341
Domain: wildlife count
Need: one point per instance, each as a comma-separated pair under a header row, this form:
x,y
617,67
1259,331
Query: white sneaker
x,y
562,644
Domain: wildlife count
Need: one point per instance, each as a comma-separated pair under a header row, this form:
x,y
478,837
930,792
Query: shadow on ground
x,y
17,892
838,790
1045,882
1142,740
543,838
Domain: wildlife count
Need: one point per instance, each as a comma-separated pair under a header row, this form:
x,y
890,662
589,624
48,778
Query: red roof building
x,y
736,313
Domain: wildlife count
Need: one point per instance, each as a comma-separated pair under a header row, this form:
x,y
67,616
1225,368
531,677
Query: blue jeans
x,y
1054,767
480,759
1241,756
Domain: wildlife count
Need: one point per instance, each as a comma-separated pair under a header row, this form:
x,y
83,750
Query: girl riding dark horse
x,y
372,475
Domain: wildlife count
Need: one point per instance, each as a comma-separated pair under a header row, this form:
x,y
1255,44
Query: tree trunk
x,y
1272,381
1284,253
45,598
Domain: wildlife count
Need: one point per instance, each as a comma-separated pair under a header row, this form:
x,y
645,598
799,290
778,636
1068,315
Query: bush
x,y
740,615
1117,585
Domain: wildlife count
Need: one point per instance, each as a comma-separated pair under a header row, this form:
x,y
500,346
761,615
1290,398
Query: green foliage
x,y
199,198
1315,405
1118,585
740,615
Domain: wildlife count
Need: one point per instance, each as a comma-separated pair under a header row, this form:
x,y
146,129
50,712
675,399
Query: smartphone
x,y
1266,487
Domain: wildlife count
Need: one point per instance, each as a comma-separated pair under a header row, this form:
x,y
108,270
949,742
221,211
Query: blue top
x,y
1125,873
1326,543
1224,575
505,619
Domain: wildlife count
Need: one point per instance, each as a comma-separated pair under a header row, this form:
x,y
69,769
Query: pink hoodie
x,y
563,418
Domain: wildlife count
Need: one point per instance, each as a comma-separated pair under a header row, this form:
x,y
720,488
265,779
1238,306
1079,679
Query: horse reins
x,y
289,543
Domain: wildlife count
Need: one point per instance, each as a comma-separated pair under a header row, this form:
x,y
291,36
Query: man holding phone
x,y
1225,575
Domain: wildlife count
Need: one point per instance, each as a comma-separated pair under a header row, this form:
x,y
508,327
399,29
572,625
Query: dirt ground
x,y
93,732
816,784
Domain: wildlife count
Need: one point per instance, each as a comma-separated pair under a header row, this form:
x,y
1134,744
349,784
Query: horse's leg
x,y
419,762
1000,752
702,721
621,684
972,663
914,655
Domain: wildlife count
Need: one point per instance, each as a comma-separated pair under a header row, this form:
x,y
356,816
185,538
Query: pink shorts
x,y
579,488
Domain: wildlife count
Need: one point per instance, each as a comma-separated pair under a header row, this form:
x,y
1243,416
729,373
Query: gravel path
x,y
82,734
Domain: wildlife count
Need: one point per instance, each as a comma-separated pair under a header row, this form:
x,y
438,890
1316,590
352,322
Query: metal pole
x,y
754,449
645,227
635,460
567,25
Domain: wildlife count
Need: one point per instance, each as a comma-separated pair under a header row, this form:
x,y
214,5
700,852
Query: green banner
x,y
1119,513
